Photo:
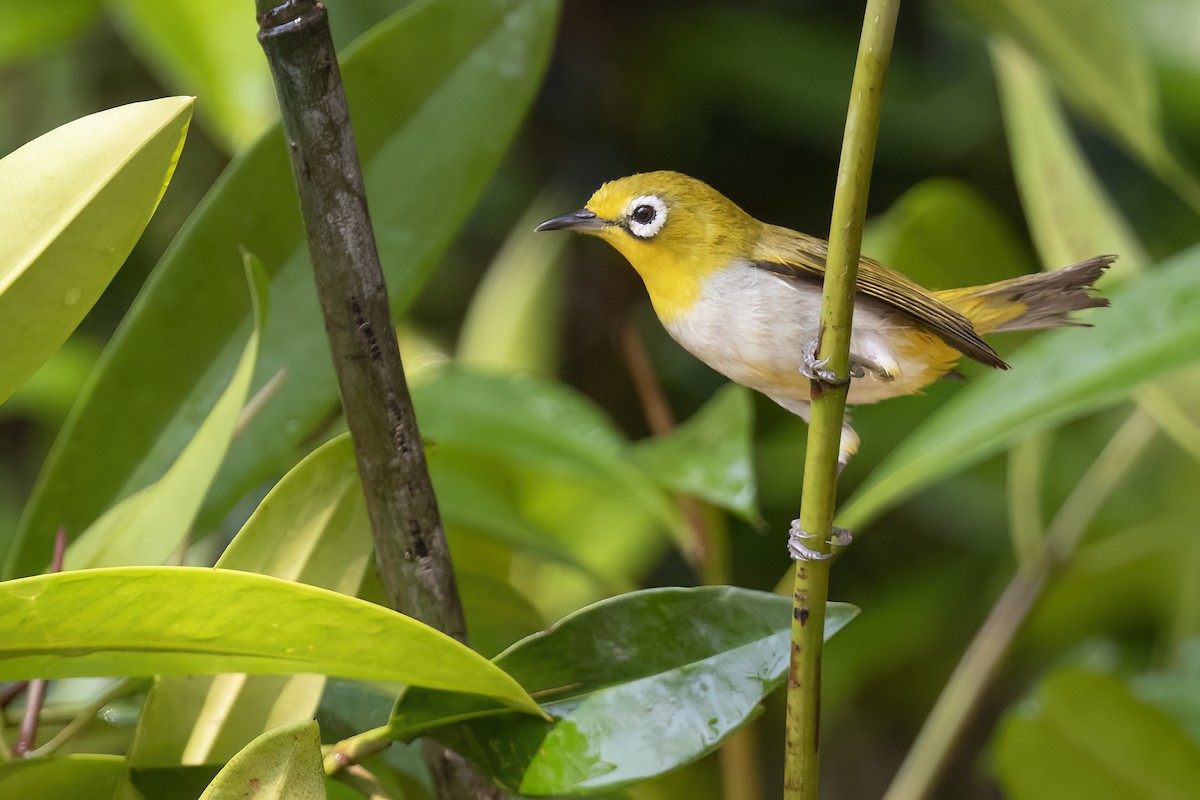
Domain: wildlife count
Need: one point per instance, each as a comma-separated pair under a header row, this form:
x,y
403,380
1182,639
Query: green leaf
x,y
1151,328
31,28
1069,211
84,777
284,763
150,525
941,231
208,49
513,324
436,93
711,454
638,685
79,198
536,423
1087,737
189,621
1099,62
311,528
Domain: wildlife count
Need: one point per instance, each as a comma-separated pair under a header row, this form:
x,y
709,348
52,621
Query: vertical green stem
x,y
829,403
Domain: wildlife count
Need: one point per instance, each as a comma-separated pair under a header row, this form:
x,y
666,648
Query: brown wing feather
x,y
796,256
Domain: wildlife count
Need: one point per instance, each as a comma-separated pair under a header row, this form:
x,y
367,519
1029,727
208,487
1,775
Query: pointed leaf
x,y
311,528
623,679
189,621
147,527
1088,737
710,455
77,199
436,93
283,764
1152,327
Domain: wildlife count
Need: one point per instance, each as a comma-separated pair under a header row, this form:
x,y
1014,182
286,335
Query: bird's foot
x,y
813,368
799,551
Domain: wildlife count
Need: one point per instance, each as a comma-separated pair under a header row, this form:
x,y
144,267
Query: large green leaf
x,y
1152,327
710,455
436,93
1087,737
311,528
284,764
207,48
1070,214
150,525
638,685
190,621
77,777
76,200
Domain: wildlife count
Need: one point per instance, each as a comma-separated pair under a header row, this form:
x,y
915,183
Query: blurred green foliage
x,y
552,502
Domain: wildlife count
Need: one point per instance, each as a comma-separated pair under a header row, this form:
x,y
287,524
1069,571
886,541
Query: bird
x,y
744,297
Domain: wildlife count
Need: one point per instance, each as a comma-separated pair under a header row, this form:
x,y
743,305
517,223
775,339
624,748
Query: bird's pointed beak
x,y
581,220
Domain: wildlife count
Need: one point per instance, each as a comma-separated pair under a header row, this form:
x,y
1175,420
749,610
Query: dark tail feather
x,y
1049,296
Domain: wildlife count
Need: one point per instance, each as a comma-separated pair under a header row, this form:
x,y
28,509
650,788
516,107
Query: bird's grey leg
x,y
813,368
799,551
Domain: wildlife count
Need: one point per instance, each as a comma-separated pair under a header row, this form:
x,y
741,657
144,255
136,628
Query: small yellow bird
x,y
744,296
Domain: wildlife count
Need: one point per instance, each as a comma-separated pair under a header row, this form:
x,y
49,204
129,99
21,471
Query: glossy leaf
x,y
458,76
150,525
207,48
1151,328
638,685
31,28
189,621
1088,737
283,764
710,455
90,777
77,199
311,528
1070,213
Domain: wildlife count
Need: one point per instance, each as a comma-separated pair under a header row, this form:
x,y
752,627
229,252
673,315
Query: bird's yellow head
x,y
676,231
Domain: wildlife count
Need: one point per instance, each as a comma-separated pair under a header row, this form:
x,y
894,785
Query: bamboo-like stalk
x,y
821,465
410,544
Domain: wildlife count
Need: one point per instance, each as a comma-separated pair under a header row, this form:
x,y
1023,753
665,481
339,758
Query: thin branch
x,y
811,585
36,692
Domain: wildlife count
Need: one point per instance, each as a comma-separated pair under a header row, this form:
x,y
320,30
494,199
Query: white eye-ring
x,y
647,215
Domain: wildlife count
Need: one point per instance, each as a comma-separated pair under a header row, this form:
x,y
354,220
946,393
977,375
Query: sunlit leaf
x,y
457,76
1086,736
1152,328
189,621
148,526
638,685
311,528
283,764
1069,211
710,455
76,200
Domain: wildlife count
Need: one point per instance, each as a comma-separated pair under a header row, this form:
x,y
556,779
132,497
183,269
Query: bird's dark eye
x,y
643,215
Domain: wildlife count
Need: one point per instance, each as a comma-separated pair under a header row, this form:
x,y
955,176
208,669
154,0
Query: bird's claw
x,y
799,551
813,368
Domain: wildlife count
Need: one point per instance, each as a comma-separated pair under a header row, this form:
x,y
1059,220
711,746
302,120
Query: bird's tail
x,y
1029,302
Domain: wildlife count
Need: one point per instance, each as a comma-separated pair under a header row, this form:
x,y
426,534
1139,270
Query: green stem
x,y
981,662
811,586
